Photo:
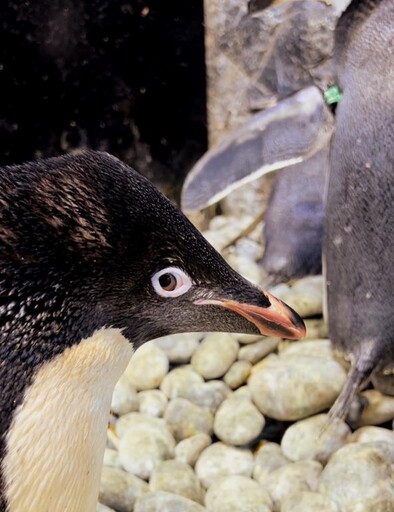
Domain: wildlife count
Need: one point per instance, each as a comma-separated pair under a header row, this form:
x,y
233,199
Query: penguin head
x,y
109,249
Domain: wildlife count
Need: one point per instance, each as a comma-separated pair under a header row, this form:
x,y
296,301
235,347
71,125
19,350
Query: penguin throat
x,y
55,446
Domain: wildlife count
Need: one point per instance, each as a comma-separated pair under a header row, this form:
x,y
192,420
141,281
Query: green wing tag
x,y
332,95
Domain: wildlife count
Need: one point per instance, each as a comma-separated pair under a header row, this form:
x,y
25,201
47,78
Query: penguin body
x,y
359,223
293,222
94,261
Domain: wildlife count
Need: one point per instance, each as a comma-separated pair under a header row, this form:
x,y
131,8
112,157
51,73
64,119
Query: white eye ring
x,y
171,282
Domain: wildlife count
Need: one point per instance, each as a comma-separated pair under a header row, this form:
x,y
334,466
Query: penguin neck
x,y
56,442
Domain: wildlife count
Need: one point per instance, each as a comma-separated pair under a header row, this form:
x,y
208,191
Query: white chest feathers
x,y
57,438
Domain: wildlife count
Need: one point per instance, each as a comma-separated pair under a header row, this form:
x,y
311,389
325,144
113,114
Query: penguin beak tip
x,y
278,319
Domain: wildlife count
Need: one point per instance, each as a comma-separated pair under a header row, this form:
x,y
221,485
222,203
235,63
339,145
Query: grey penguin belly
x,y
294,221
359,226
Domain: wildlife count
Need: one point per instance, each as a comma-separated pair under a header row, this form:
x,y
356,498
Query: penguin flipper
x,y
288,133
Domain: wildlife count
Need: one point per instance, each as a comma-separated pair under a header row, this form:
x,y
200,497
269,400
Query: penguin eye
x,y
171,282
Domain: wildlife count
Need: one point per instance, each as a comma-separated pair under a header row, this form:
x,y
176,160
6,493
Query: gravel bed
x,y
234,423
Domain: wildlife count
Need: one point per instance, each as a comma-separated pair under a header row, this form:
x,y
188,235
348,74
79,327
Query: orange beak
x,y
276,320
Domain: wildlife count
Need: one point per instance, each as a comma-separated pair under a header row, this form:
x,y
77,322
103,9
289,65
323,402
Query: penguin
x,y
94,262
290,132
359,222
293,221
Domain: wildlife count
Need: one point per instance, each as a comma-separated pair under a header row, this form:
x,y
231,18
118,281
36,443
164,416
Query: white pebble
x,y
221,460
309,439
216,353
185,419
166,502
238,374
295,477
188,450
237,493
371,434
360,477
153,402
124,398
268,458
147,367
254,352
179,348
238,421
179,380
306,501
119,490
178,478
296,387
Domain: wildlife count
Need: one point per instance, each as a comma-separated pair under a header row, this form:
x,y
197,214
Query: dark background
x,y
127,77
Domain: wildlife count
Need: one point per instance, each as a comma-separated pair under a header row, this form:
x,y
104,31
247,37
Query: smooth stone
x,y
185,419
312,439
267,361
373,505
380,408
310,348
245,339
179,348
140,454
227,233
111,458
238,421
112,438
255,352
306,296
148,367
384,381
295,477
209,394
166,502
119,490
237,493
316,328
125,397
243,391
144,442
221,460
190,449
217,239
103,508
238,374
296,387
268,458
280,290
153,402
371,434
306,501
136,421
249,248
219,222
180,380
216,353
360,476
249,269
178,478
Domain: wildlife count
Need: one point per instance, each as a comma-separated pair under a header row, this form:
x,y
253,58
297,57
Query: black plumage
x,y
80,239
